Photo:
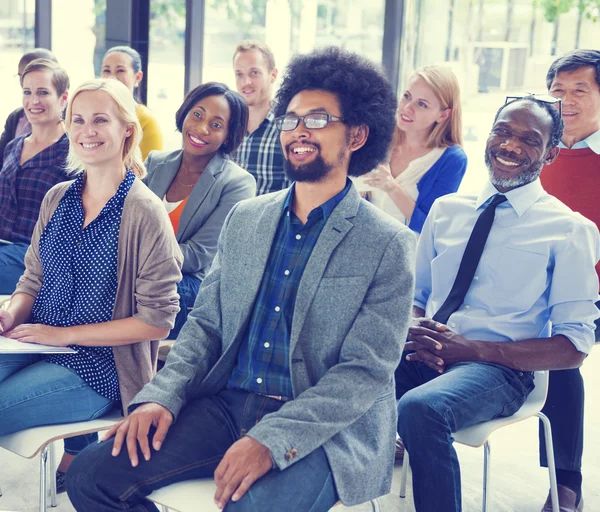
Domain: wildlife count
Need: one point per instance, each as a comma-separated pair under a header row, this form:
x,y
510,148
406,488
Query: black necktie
x,y
470,260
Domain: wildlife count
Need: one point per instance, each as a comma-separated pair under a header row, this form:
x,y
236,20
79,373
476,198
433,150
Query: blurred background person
x,y
426,157
260,152
101,278
16,123
125,64
199,184
33,164
574,178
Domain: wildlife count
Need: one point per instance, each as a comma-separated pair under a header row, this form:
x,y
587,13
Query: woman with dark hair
x,y
125,64
199,184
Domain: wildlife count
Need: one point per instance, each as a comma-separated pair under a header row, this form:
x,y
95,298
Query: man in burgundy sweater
x,y
574,178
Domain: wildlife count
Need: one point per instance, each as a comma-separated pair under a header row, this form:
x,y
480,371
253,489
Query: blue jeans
x,y
195,444
187,289
433,406
12,266
34,392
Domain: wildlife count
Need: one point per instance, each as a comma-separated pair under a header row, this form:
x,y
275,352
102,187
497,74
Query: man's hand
x,y
42,334
437,346
134,429
243,464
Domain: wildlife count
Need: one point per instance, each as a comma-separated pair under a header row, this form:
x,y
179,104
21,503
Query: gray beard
x,y
527,176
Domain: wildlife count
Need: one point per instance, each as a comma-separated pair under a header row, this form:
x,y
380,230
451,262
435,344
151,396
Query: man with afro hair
x,y
281,381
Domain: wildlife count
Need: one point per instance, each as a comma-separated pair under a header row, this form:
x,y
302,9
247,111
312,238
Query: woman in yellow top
x,y
125,64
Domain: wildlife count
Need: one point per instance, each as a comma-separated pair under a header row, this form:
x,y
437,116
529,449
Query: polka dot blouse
x,y
80,280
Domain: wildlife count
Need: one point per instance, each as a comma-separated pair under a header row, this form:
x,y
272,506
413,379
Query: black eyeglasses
x,y
544,98
318,121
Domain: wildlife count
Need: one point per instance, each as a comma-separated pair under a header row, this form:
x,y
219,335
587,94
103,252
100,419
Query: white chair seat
x,y
188,496
29,442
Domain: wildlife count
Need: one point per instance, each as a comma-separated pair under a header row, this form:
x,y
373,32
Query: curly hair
x,y
557,122
364,94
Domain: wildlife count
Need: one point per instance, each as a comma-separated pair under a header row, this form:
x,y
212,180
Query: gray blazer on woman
x,y
222,184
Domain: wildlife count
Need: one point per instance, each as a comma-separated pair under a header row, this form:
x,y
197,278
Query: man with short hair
x,y
574,178
260,152
495,272
281,381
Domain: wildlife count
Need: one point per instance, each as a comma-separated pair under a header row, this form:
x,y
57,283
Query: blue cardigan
x,y
442,178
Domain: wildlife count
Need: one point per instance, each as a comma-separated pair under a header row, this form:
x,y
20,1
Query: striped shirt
x,y
22,187
260,154
263,360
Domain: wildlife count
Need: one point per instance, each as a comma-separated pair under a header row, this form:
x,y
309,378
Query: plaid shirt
x,y
22,187
263,360
260,154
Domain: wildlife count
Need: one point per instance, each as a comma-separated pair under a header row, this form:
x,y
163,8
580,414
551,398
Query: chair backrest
x,y
478,434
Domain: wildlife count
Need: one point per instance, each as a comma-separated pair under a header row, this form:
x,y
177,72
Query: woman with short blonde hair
x,y
426,159
101,278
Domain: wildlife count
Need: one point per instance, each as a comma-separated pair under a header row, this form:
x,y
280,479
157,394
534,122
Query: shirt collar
x,y
520,198
592,142
325,209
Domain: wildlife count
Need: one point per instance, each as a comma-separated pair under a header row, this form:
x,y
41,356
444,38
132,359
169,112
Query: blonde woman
x,y
426,157
101,277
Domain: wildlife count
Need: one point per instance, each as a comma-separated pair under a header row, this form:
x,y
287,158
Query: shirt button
x,y
278,309
452,324
298,237
467,307
267,345
259,380
287,272
476,278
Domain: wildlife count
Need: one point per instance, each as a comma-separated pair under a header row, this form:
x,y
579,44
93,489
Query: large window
x,y
74,44
16,37
166,69
288,27
494,47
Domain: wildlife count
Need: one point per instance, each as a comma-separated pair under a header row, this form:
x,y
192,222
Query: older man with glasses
x,y
505,285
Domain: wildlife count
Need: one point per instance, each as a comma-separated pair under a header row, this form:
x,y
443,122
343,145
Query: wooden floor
x,y
518,483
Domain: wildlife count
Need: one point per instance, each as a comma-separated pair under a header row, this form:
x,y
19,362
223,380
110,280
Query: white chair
x,y
478,435
188,496
28,443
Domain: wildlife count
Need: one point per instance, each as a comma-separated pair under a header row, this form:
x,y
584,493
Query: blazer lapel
x,y
259,252
165,172
334,231
199,192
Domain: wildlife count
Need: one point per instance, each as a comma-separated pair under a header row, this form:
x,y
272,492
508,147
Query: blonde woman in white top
x,y
426,158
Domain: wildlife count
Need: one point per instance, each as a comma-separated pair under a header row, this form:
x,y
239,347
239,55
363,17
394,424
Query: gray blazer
x,y
222,184
350,321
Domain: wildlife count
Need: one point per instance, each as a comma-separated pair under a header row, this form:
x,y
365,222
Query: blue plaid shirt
x,y
22,187
263,364
261,155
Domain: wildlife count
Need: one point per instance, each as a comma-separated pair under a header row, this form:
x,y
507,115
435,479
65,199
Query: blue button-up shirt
x,y
592,142
80,280
536,275
263,364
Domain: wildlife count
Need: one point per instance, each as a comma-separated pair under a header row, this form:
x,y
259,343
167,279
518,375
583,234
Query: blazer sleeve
x,y
368,357
199,250
443,178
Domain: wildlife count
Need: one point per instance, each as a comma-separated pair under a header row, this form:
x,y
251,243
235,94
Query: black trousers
x,y
564,408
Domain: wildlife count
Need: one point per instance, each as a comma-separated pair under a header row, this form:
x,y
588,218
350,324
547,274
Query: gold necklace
x,y
182,183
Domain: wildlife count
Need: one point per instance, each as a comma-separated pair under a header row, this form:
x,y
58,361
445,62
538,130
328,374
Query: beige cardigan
x,y
149,268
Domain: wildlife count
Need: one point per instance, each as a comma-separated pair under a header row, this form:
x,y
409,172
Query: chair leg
x,y
487,466
43,469
52,465
550,458
404,474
